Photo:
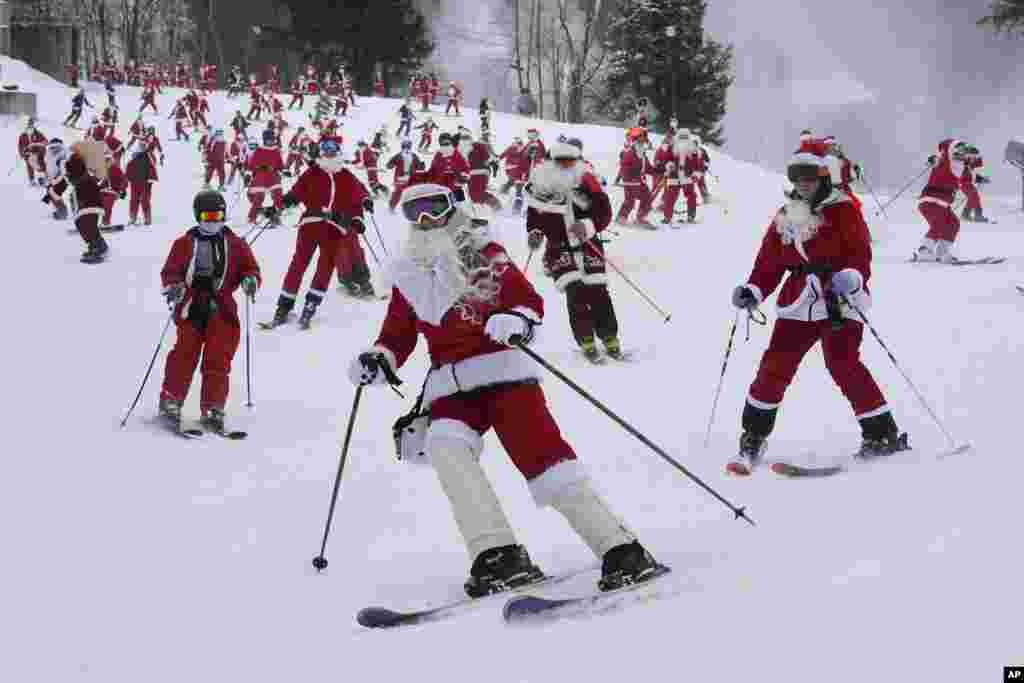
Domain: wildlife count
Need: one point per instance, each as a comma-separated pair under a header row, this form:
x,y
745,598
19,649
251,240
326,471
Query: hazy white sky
x,y
888,78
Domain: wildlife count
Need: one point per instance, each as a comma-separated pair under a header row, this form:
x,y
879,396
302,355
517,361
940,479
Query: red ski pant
x,y
478,190
520,417
141,197
671,194
792,339
635,194
256,199
312,236
217,344
215,169
199,118
942,222
350,257
88,227
973,197
108,205
396,195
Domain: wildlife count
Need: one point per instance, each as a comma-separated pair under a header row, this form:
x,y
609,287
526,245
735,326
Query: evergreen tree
x,y
364,33
1007,16
686,75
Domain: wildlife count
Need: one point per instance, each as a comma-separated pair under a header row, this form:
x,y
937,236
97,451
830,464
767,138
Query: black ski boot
x,y
169,412
625,565
350,287
979,217
749,456
284,307
881,437
308,311
212,419
501,569
96,252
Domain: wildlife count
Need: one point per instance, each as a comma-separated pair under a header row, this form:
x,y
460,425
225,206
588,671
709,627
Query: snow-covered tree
x,y
659,51
1007,16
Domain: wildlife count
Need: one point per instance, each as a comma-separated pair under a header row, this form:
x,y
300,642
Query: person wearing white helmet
x,y
455,285
818,248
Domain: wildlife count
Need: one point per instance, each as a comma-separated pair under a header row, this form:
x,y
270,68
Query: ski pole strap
x,y
756,315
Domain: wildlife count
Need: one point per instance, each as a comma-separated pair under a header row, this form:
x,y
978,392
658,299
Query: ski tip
x,y
738,470
526,606
378,617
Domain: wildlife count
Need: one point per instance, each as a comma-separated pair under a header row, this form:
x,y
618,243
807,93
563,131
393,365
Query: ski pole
x,y
905,188
152,361
248,351
320,561
892,358
593,249
874,196
379,236
721,379
517,341
370,247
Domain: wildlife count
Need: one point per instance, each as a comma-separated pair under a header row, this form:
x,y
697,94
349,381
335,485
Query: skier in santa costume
x,y
265,166
449,167
204,268
969,181
334,201
113,187
458,288
479,159
936,202
454,94
568,207
404,164
90,207
142,175
820,239
31,148
215,154
633,166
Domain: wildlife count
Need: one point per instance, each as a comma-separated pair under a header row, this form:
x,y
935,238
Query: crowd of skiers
x,y
455,284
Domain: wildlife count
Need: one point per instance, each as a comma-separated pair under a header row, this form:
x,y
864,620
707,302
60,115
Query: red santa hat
x,y
563,150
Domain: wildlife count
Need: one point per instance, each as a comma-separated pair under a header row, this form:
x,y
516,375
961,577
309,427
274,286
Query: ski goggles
x,y
211,216
330,148
434,207
798,172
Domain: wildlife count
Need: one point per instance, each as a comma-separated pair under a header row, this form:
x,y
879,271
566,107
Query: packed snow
x,y
131,555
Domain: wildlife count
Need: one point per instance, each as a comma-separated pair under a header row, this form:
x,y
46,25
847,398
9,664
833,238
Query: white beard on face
x,y
330,164
550,178
796,223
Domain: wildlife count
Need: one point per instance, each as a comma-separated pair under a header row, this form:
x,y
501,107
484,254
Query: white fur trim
x,y
453,429
90,212
761,404
874,413
549,484
500,367
810,305
932,200
528,312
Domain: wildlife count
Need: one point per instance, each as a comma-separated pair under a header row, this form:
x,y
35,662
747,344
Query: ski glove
x,y
509,328
366,369
743,297
249,285
535,239
174,293
847,282
357,224
368,205
272,213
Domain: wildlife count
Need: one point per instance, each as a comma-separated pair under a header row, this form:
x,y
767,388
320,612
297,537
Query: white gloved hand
x,y
501,327
366,369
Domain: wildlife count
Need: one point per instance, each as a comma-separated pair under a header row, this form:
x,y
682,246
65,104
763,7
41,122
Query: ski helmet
x,y
805,166
406,144
445,140
210,211
269,138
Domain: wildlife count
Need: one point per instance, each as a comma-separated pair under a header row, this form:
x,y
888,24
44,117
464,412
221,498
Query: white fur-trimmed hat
x,y
563,150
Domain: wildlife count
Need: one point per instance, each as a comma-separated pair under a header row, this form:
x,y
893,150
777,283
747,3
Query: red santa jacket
x,y
266,165
594,210
116,148
451,171
368,158
463,357
239,262
515,161
403,167
32,144
944,179
97,132
325,193
137,131
479,156
971,167
88,197
633,166
216,152
141,169
535,151
180,112
235,151
834,238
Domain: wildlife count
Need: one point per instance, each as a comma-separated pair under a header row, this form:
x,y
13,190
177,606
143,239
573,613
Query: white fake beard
x,y
550,178
330,164
796,223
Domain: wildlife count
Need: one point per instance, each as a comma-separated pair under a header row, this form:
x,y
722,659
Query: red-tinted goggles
x,y
434,207
211,216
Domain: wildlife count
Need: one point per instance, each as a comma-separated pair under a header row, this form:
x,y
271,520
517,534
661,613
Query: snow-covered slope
x,y
134,556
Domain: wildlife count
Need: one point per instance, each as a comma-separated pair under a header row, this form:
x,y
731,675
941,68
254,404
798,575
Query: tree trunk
x,y
529,49
518,61
101,18
221,65
540,73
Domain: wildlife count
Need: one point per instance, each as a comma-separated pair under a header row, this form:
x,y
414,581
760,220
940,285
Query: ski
x,y
233,435
178,429
984,261
270,325
793,471
382,617
531,608
119,227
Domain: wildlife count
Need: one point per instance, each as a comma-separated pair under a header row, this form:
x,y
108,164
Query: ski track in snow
x,y
172,560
